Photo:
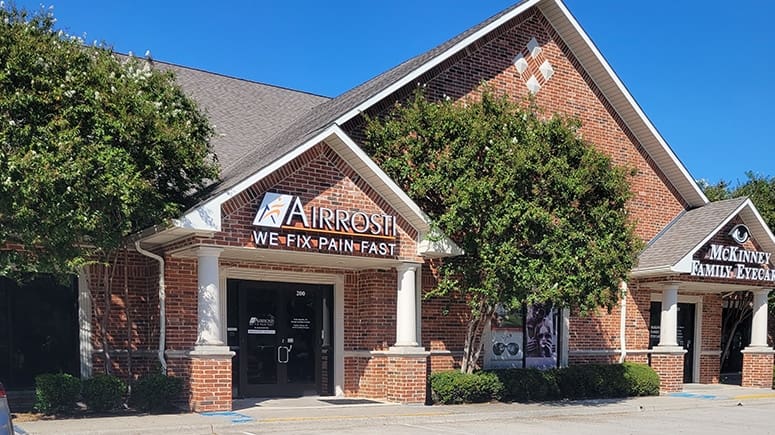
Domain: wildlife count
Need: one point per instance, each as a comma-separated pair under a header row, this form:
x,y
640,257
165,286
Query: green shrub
x,y
457,387
589,381
592,381
156,392
103,392
526,385
55,393
641,380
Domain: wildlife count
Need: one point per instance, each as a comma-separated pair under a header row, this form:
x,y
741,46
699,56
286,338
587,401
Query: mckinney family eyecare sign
x,y
734,262
285,223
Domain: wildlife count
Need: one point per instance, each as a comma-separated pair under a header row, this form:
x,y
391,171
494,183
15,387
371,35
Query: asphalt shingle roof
x,y
245,114
686,233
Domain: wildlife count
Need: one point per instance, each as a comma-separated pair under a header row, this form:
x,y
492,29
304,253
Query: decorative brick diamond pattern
x,y
533,68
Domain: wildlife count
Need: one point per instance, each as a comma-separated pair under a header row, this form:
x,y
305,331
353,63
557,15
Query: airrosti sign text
x,y
323,229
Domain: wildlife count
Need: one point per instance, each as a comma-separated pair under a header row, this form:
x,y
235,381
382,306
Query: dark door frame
x,y
284,294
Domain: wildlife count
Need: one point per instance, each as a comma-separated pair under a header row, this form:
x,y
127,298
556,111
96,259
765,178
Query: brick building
x,y
303,271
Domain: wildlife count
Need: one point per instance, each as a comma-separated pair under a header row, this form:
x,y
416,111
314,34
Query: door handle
x,y
287,350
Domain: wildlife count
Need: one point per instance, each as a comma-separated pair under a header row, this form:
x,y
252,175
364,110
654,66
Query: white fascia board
x,y
207,216
623,90
764,227
684,265
652,271
438,247
433,62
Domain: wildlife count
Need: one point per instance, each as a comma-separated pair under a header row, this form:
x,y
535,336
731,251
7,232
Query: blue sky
x,y
701,70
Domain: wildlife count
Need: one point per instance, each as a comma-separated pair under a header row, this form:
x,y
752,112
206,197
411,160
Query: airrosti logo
x,y
323,229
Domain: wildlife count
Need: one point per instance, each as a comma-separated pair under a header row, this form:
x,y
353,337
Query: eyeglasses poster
x,y
522,338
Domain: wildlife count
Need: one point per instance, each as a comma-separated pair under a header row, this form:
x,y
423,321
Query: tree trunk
x,y
473,345
740,302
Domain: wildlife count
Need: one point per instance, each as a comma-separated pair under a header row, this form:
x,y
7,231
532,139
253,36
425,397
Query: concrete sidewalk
x,y
308,413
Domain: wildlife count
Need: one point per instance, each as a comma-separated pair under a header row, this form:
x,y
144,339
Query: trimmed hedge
x,y
590,381
103,392
457,387
56,392
156,392
529,385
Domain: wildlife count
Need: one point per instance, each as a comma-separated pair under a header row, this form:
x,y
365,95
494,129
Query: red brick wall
x,y
376,310
132,315
710,365
181,282
365,377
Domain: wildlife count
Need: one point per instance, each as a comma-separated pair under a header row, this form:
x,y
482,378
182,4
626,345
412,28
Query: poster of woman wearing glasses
x,y
541,329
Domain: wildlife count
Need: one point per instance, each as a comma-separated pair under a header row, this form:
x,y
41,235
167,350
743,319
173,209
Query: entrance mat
x,y
350,401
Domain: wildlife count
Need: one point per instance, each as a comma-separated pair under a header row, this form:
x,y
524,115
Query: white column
x,y
759,322
668,327
406,306
209,298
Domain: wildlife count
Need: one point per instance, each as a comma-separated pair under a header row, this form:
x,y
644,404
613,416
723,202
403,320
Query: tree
x,y
760,188
540,215
93,148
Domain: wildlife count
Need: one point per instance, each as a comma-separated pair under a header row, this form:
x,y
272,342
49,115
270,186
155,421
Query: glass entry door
x,y
282,332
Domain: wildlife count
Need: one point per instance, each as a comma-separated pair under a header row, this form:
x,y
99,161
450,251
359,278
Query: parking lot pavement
x,y
699,409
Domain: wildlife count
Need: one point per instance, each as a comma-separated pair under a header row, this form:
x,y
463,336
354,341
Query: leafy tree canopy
x,y
93,147
540,214
760,188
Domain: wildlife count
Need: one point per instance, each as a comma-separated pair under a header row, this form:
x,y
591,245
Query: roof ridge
x,y
241,79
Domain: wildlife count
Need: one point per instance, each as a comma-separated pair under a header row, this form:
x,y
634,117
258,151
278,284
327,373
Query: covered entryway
x,y
281,334
721,248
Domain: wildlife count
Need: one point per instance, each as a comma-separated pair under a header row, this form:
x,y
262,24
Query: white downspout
x,y
623,322
162,306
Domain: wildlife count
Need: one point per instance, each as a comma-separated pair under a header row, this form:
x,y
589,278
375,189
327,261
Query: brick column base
x,y
211,381
407,377
757,367
669,365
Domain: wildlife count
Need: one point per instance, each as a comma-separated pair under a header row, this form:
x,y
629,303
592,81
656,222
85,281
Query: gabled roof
x,y
673,249
348,105
245,114
294,120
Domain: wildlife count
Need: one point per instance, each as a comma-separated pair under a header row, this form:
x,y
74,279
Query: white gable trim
x,y
433,62
578,41
697,198
760,231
